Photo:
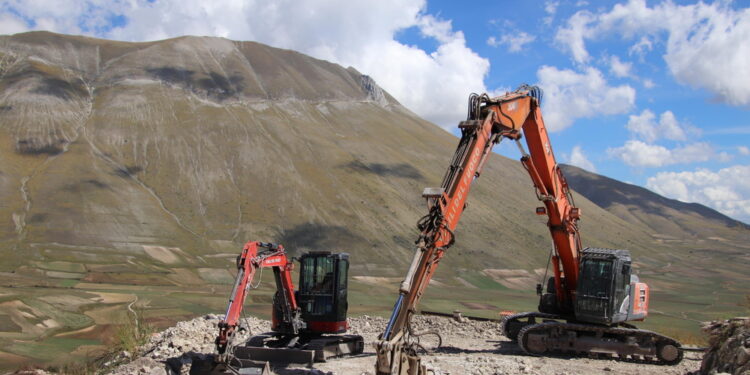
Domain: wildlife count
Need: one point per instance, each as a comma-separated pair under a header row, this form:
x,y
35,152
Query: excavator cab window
x,y
318,281
594,292
603,286
322,291
343,270
600,272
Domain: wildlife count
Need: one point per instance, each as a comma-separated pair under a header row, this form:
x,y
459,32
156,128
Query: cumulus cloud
x,y
579,159
639,154
726,190
636,153
571,37
743,150
645,127
642,152
352,33
703,41
515,41
570,95
620,68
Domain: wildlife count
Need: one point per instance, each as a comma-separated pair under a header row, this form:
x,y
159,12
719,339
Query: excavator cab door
x,y
322,294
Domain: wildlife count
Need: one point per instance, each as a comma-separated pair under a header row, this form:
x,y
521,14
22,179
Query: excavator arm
x,y
522,115
256,255
489,120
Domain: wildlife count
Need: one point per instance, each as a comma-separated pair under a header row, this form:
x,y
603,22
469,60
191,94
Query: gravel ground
x,y
467,348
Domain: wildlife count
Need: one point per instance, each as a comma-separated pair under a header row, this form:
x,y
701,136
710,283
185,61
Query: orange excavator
x,y
307,324
592,293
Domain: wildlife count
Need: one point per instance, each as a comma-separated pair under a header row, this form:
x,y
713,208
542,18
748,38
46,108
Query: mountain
x,y
642,207
132,173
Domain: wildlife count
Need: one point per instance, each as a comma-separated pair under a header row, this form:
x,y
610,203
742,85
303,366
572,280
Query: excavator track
x,y
626,344
511,325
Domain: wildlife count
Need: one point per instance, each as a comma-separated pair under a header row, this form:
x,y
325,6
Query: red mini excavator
x,y
592,293
306,324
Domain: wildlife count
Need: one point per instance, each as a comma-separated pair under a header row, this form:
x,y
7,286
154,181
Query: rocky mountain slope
x,y
131,174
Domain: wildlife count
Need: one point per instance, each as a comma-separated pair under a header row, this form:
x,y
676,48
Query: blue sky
x,y
655,93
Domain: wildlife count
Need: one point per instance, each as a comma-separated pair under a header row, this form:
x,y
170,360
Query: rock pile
x,y
173,350
729,347
472,347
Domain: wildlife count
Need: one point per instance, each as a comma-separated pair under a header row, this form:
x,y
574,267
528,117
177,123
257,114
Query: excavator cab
x,y
604,288
322,293
605,292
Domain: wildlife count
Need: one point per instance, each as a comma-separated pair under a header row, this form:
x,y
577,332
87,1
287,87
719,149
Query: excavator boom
x,y
396,350
257,255
521,116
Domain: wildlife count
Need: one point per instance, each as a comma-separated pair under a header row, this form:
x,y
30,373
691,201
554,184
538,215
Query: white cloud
x,y
724,157
706,45
571,37
671,129
620,68
649,84
692,153
726,190
743,150
515,41
579,159
352,33
11,25
636,153
645,127
550,7
639,154
570,95
643,46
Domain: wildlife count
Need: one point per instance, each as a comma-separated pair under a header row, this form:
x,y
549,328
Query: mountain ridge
x,y
608,193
